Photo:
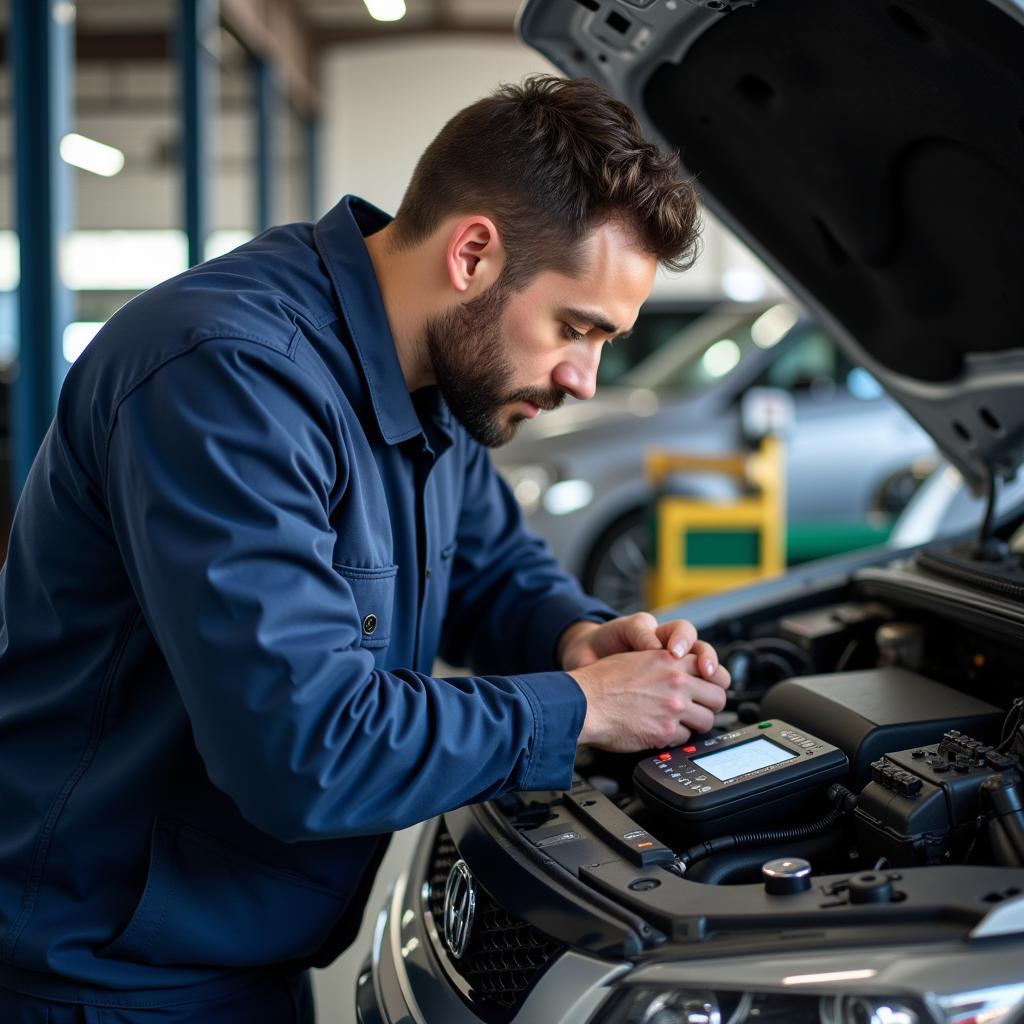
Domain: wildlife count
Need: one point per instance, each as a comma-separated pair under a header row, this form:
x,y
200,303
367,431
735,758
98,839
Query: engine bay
x,y
929,773
868,733
861,790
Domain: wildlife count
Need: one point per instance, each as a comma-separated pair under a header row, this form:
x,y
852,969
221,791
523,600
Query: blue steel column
x,y
312,126
199,69
42,51
265,106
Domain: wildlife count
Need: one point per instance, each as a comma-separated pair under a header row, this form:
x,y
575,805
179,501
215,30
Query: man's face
x,y
503,357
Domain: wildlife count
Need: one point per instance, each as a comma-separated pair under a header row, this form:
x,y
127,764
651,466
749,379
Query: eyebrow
x,y
589,316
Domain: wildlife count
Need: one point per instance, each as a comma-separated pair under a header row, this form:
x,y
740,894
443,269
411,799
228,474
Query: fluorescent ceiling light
x,y
121,260
91,155
386,10
126,260
10,265
130,260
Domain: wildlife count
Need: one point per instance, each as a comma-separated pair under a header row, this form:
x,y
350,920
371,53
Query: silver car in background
x,y
853,457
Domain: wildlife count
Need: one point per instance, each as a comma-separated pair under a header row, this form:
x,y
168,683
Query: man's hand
x,y
584,643
647,699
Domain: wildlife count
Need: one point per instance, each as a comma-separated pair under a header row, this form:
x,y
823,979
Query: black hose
x,y
745,865
767,643
985,532
1005,801
838,795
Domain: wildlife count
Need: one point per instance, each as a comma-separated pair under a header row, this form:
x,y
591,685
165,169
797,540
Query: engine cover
x,y
865,714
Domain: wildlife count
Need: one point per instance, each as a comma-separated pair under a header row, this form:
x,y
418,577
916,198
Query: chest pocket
x,y
374,593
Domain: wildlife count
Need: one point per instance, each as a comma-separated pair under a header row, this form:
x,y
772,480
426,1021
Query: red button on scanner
x,y
690,750
664,757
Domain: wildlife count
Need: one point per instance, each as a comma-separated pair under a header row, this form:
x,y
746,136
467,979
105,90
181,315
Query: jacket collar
x,y
339,238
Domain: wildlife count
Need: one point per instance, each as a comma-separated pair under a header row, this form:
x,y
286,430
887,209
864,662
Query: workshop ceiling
x,y
289,33
328,21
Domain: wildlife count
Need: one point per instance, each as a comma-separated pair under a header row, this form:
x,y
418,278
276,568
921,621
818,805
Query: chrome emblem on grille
x,y
459,908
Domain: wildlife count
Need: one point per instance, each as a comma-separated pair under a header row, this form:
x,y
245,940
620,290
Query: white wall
x,y
386,101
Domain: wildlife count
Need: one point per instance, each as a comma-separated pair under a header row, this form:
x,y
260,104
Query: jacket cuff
x,y
559,708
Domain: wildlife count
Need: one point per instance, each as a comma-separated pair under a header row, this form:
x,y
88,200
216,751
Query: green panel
x,y
805,541
733,549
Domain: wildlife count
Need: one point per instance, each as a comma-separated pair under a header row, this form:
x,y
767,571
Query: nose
x,y
578,375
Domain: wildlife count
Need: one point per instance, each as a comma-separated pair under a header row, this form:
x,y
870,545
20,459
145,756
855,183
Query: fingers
x,y
721,678
640,632
689,700
707,660
677,737
707,694
642,699
677,636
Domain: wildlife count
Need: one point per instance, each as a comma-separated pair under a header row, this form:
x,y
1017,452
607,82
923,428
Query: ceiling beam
x,y
93,45
266,29
276,31
330,35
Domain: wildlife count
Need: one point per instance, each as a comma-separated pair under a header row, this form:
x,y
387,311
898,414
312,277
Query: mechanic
x,y
263,507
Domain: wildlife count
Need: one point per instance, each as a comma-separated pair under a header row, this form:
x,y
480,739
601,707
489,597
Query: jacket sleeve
x,y
509,600
221,469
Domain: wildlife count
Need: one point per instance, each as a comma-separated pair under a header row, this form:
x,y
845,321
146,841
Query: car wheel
x,y
616,569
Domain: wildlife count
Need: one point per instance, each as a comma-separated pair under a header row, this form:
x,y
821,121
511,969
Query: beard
x,y
474,374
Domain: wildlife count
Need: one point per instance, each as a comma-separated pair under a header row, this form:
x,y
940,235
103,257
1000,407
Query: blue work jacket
x,y
238,552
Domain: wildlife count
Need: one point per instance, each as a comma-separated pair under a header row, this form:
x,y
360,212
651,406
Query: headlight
x,y
1001,1005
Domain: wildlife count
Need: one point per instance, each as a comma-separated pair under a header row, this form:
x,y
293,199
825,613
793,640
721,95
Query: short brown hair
x,y
550,160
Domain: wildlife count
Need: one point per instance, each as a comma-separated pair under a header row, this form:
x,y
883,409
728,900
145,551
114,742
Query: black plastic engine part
x,y
924,805
866,714
870,887
825,633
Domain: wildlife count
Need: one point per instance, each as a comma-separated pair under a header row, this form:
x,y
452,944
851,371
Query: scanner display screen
x,y
744,757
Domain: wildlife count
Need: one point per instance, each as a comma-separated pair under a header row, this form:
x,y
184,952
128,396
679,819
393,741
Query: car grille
x,y
505,954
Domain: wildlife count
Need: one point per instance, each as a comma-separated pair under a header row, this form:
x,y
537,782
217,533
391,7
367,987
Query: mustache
x,y
546,400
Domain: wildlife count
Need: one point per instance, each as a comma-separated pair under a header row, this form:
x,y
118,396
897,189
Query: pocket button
x,y
370,624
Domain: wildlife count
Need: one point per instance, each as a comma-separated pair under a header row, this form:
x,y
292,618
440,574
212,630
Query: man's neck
x,y
400,277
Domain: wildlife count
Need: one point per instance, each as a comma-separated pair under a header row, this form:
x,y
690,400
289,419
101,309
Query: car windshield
x,y
709,349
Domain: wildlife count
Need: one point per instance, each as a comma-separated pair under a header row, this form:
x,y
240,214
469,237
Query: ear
x,y
475,255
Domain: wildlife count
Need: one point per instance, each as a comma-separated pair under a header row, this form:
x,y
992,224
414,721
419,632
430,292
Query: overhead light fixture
x,y
386,10
91,155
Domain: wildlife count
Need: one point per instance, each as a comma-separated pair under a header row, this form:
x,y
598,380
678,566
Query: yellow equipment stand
x,y
703,545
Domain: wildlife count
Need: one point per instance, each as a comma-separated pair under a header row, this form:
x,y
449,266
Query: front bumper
x,y
412,979
954,931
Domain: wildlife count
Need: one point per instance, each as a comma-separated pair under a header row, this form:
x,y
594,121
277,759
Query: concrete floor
x,y
335,986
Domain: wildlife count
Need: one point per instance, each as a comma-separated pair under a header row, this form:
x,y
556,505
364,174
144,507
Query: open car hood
x,y
872,153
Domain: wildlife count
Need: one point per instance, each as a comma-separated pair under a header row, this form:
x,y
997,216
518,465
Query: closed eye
x,y
572,334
